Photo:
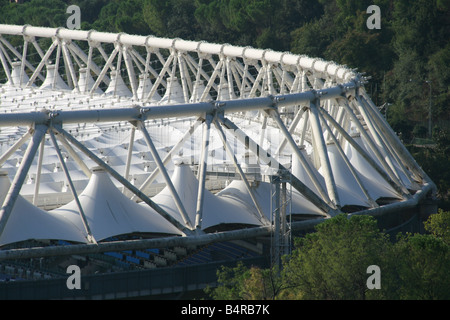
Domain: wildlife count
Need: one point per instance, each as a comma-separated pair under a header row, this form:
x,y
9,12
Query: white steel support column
x,y
322,150
130,153
291,130
392,138
390,150
55,71
38,173
75,156
6,67
163,171
131,74
19,178
376,137
374,148
202,171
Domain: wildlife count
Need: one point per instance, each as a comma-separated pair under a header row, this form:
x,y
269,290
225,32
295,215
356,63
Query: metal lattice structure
x,y
83,111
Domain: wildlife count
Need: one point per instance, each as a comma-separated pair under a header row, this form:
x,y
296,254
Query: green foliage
x,y
243,283
423,269
332,262
439,225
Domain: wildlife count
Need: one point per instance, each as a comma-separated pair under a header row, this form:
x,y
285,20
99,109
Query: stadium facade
x,y
149,162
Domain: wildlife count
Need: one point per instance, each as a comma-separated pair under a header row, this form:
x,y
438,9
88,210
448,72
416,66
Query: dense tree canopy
x,y
333,263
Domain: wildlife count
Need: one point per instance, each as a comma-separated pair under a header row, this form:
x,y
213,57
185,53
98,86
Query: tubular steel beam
x,y
202,172
276,117
14,147
322,151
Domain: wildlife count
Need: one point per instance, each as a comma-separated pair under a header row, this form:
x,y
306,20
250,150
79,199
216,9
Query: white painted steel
x,y
340,153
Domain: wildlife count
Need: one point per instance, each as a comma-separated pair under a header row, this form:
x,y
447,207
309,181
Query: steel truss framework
x,y
221,88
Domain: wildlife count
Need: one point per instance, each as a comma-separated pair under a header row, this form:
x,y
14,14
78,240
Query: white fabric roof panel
x,y
29,222
216,210
374,182
109,213
237,191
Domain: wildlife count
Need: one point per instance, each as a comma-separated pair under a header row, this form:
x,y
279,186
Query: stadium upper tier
x,y
107,134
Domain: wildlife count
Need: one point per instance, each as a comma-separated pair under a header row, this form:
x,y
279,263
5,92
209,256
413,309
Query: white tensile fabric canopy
x,y
237,191
29,222
217,210
110,213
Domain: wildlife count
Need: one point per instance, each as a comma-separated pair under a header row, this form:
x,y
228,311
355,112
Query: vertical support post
x,y
22,64
20,176
38,173
323,155
275,200
130,153
202,172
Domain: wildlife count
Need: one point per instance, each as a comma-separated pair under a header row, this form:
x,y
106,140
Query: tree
x,y
439,225
332,262
423,268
